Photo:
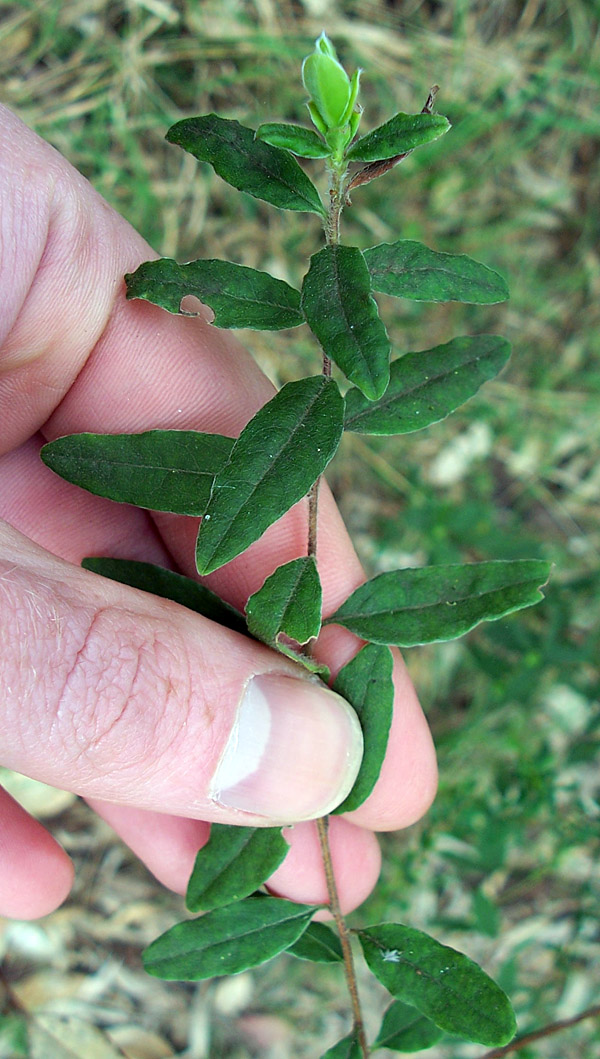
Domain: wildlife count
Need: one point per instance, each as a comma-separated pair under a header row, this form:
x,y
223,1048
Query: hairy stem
x,y
332,235
340,922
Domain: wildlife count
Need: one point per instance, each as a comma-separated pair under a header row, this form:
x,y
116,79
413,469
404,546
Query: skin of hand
x,y
161,719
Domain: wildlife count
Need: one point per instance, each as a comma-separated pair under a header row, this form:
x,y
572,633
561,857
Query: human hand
x,y
125,699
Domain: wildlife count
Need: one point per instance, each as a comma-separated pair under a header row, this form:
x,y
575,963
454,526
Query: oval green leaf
x,y
274,462
426,387
408,269
366,683
233,864
170,585
227,940
295,138
288,603
443,984
257,168
164,470
400,134
347,1048
427,604
238,296
404,1029
341,312
318,944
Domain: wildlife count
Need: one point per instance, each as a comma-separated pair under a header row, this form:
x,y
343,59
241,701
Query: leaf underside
x,y
239,296
248,164
288,603
408,269
163,470
424,605
274,462
443,984
342,313
227,940
233,864
170,585
426,387
366,683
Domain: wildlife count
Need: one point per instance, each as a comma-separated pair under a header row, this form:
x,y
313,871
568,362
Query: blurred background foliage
x,y
505,864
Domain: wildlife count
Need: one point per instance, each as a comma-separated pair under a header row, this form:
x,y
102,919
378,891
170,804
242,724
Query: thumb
x,y
114,694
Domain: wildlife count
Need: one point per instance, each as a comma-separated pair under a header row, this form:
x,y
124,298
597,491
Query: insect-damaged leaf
x,y
408,269
425,604
170,585
341,312
257,168
274,462
289,602
443,984
164,470
400,134
404,1029
426,387
295,138
227,940
318,944
239,296
233,864
366,683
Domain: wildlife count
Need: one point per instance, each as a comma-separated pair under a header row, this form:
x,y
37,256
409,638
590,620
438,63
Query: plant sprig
x,y
241,486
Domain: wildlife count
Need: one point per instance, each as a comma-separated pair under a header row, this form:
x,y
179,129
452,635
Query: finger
x,y
28,854
114,694
165,371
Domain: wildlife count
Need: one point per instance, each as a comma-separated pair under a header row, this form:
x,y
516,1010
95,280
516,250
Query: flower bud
x,y
327,84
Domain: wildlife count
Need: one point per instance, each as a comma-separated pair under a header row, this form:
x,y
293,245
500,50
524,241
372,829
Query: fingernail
x,y
293,753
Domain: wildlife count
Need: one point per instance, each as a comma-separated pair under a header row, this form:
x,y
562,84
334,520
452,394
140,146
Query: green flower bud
x,y
327,84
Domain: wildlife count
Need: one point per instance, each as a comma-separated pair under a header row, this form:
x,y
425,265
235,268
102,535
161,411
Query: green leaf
x,y
295,138
347,1048
341,312
233,864
426,604
164,470
318,944
308,663
407,269
400,134
257,168
169,585
404,1029
426,387
227,940
443,984
238,296
274,462
366,683
288,603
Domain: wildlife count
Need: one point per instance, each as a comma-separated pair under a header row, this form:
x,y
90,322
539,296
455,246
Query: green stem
x,y
332,235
